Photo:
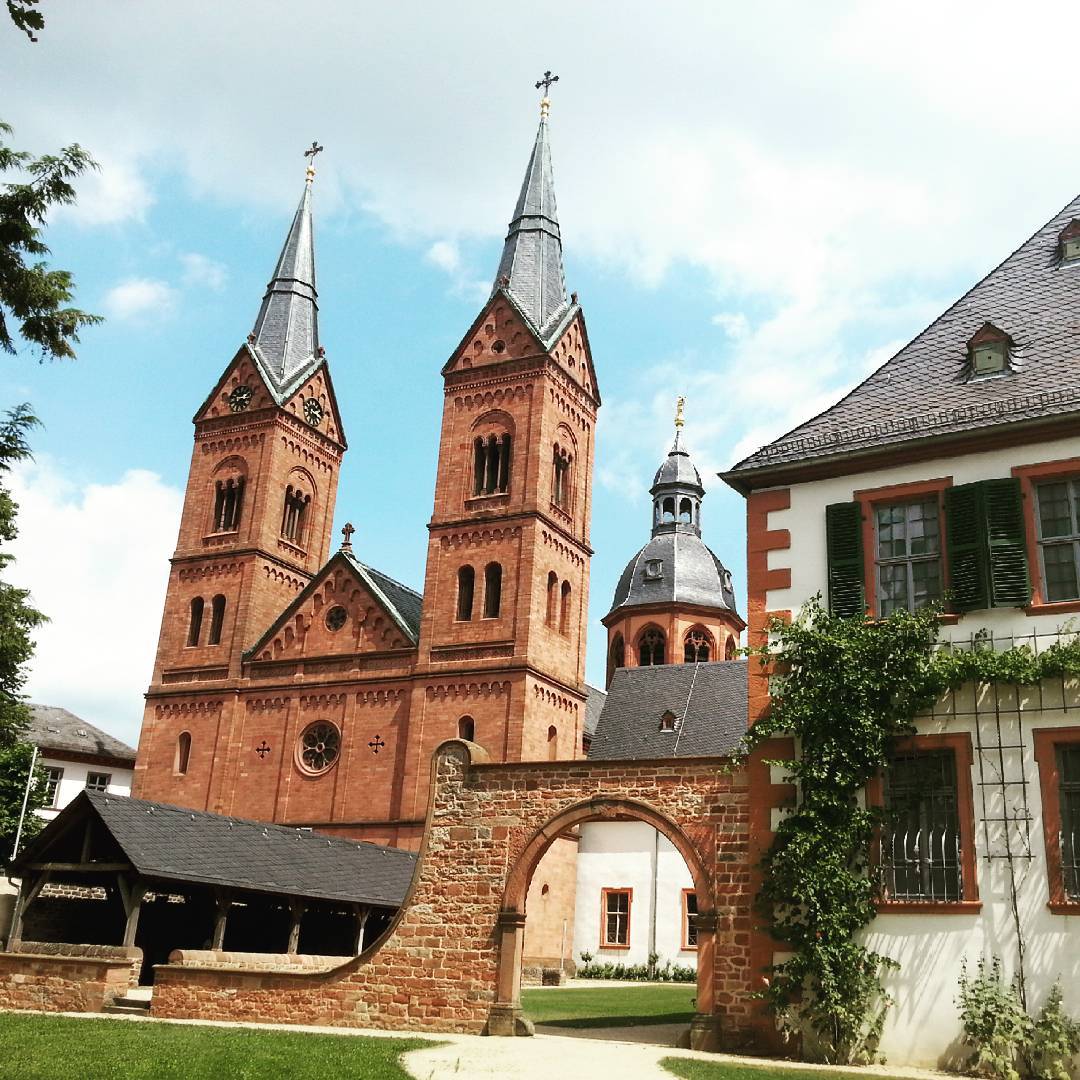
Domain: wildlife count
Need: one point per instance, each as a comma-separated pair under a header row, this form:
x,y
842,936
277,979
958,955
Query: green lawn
x,y
62,1048
610,1006
719,1070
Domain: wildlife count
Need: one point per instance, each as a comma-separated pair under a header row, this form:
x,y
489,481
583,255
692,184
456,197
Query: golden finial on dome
x,y
545,102
679,403
310,153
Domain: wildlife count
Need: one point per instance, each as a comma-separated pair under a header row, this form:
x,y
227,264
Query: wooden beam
x,y
296,913
87,835
28,891
221,913
362,913
81,867
132,894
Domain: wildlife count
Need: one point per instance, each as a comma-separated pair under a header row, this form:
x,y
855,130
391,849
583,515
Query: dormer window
x,y
654,569
988,351
1069,242
668,721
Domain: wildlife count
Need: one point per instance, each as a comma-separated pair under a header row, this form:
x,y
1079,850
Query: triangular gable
x,y
500,322
571,351
307,627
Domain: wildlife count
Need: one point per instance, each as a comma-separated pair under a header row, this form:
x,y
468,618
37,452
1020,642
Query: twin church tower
x,y
297,684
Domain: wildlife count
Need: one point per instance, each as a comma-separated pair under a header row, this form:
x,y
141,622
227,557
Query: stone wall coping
x,y
15,959
628,763
211,958
72,950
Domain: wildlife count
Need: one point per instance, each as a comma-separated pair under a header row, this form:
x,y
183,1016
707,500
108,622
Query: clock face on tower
x,y
313,412
240,398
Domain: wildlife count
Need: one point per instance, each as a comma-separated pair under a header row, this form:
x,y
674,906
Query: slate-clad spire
x,y
286,334
531,268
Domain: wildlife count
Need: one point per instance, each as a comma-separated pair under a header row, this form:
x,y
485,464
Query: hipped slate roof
x,y
172,843
56,732
709,702
594,706
924,390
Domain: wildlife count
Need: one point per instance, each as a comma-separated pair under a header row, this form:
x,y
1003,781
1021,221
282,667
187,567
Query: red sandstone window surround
x,y
1033,478
615,907
689,910
1057,751
921,867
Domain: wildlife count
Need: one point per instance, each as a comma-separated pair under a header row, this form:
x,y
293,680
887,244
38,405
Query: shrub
x,y
1054,1040
996,1026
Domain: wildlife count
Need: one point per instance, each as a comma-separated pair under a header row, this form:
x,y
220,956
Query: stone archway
x,y
507,1017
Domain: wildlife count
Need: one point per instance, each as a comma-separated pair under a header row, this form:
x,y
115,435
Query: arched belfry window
x,y
730,649
697,646
616,656
492,590
217,619
552,597
466,586
668,510
183,752
228,503
564,608
294,515
686,512
491,464
560,478
466,729
553,743
195,621
651,645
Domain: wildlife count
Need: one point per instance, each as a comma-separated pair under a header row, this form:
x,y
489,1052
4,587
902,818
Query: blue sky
x,y
757,208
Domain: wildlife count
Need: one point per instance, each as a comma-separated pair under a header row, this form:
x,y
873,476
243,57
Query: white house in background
x,y
75,756
675,690
952,474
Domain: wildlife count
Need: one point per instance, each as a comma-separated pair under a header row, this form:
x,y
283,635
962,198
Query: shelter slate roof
x,y
709,702
531,267
926,389
57,732
177,844
594,706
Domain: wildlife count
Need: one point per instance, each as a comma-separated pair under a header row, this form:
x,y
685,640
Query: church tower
x,y
259,504
674,602
502,640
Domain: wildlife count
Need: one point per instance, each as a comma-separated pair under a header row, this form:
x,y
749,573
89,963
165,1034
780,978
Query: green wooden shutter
x,y
1010,585
966,548
843,545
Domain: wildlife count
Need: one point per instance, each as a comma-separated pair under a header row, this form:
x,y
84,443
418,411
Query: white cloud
x,y
95,558
140,297
733,323
199,270
445,255
112,194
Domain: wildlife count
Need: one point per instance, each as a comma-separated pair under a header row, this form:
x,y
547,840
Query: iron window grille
x,y
1059,538
53,775
98,781
617,917
908,556
920,841
1069,793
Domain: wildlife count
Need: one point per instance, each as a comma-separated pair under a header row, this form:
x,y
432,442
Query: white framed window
x,y
53,774
98,781
1059,538
908,555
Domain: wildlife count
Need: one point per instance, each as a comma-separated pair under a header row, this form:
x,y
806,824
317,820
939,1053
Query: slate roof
x,y
531,267
926,390
406,602
709,702
690,573
176,844
57,732
677,469
594,706
286,333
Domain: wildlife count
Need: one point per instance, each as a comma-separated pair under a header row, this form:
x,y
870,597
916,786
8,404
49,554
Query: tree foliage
x,y
34,299
18,620
26,17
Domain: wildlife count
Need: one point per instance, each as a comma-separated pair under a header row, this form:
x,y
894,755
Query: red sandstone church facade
x,y
298,686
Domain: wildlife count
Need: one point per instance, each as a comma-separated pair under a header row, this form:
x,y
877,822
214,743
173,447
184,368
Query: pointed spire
x,y
286,335
531,267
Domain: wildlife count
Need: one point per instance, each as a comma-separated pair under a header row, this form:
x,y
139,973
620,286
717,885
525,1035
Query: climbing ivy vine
x,y
846,688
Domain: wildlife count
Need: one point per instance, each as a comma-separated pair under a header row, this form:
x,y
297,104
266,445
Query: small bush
x,y
635,972
995,1024
1054,1040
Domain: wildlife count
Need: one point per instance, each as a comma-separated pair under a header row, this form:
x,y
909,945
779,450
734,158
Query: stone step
x,y
128,1005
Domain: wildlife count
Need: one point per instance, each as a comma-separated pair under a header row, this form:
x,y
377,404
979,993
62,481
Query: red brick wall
x,y
437,969
62,983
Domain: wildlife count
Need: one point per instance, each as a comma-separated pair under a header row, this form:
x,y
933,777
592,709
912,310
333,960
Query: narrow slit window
x,y
466,584
1069,794
564,608
195,621
183,752
552,597
689,936
553,743
217,619
479,466
466,729
492,590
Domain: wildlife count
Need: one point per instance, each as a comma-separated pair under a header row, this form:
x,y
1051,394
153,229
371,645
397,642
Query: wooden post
x,y
296,912
85,857
362,913
29,888
221,913
132,895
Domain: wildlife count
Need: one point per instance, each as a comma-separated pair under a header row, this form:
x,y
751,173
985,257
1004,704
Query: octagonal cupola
x,y
676,489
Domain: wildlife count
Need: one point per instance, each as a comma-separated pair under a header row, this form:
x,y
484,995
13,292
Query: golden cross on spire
x,y
679,421
310,153
545,102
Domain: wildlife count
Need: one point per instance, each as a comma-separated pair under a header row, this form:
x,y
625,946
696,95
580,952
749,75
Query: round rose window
x,y
320,745
336,617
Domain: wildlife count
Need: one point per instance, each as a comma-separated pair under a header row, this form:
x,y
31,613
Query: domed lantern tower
x,y
674,602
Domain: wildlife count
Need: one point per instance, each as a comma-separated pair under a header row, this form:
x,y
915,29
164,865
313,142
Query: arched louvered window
x,y
564,609
228,504
466,585
217,619
651,647
491,464
195,621
183,753
492,590
560,479
697,646
294,515
553,743
466,728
